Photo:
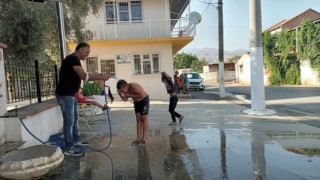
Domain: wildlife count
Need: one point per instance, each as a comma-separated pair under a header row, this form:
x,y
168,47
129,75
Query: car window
x,y
189,76
193,76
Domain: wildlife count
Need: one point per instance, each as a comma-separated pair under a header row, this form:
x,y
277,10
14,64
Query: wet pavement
x,y
214,141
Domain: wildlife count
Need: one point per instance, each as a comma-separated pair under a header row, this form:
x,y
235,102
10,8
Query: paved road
x,y
296,101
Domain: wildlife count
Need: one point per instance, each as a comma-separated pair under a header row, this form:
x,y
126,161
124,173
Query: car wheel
x,y
201,89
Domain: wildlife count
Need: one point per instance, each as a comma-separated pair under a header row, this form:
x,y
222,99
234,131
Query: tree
x,y
197,66
234,59
30,29
24,30
183,60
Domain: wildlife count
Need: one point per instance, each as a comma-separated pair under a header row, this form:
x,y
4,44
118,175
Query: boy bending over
x,y
141,107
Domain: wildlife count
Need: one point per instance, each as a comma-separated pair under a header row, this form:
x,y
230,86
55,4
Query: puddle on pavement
x,y
209,153
228,153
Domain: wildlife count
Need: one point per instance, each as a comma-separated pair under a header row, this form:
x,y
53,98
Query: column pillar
x,y
3,86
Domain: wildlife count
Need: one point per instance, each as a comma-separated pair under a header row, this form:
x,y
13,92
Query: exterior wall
x,y
152,10
308,75
42,125
151,82
211,71
229,76
243,69
155,23
276,31
206,69
210,76
155,10
156,13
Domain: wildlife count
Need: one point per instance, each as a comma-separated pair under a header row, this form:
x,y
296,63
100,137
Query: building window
x,y
137,64
111,12
136,11
108,67
123,11
155,62
126,11
146,64
92,65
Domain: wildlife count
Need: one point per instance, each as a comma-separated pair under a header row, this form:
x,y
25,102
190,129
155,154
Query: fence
x,y
31,81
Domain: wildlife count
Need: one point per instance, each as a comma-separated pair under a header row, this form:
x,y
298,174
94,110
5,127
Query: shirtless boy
x,y
141,107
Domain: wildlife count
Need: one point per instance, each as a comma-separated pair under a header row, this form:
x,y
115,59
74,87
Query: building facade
x,y
136,40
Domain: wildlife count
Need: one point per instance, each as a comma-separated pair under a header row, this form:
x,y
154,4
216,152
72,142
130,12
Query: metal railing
x,y
30,82
140,29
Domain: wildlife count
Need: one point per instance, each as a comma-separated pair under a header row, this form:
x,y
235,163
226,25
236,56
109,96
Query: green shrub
x,y
90,89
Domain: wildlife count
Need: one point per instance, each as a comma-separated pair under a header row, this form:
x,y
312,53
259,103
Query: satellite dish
x,y
195,17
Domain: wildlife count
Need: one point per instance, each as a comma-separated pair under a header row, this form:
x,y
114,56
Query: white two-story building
x,y
136,40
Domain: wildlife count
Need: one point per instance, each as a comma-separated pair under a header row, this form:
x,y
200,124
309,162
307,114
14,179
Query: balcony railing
x,y
140,29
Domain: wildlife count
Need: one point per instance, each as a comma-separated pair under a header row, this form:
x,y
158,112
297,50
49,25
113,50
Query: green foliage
x,y
30,29
197,65
90,89
292,74
309,44
24,30
234,59
184,60
76,12
280,58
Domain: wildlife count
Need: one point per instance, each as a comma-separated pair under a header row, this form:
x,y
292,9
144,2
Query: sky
x,y
236,20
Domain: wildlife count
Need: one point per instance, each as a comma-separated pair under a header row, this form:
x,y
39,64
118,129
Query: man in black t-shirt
x,y
70,76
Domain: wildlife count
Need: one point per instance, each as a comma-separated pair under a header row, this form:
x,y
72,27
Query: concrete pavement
x,y
214,141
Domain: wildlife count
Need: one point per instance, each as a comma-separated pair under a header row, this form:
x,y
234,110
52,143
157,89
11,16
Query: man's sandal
x,y
135,142
142,142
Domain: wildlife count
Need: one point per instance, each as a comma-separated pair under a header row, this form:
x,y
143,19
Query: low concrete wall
x,y
2,132
308,75
229,76
42,119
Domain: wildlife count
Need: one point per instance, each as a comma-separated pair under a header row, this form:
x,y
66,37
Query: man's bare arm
x,y
82,74
121,96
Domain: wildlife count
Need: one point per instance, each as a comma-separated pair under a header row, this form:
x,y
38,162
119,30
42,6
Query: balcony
x,y
140,29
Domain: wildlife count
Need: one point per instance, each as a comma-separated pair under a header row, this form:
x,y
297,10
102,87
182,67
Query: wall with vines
x,y
283,51
309,44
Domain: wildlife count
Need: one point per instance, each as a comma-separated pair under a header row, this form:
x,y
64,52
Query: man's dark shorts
x,y
142,106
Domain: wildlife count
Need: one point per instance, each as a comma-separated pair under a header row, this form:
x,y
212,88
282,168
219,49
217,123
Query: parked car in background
x,y
195,81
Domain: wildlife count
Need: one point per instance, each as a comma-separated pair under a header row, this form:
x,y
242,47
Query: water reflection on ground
x,y
209,153
228,153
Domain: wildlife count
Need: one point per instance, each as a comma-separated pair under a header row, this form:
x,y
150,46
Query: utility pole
x,y
258,106
221,51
